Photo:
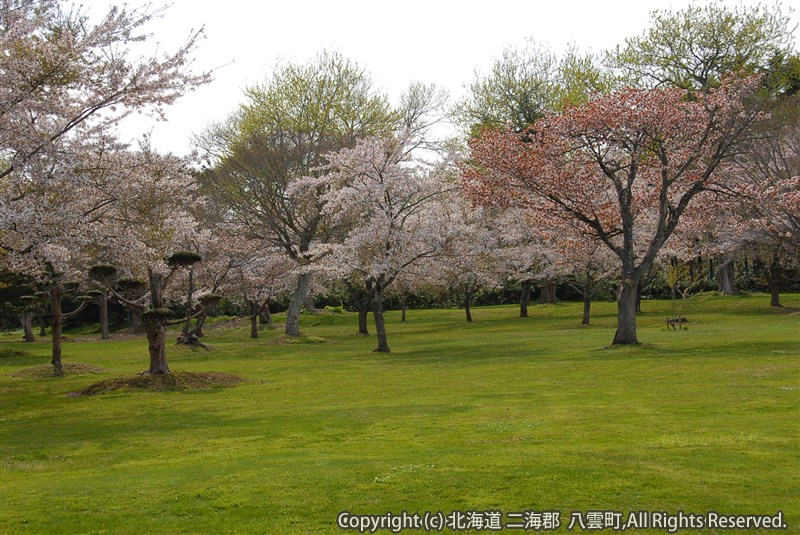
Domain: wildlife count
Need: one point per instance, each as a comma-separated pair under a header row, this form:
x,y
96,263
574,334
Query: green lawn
x,y
505,414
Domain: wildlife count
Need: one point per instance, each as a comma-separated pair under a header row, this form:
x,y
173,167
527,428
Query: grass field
x,y
506,414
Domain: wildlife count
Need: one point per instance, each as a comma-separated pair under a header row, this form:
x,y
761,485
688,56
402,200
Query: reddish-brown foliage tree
x,y
625,167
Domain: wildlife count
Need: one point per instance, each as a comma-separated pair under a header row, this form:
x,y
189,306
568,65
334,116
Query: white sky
x,y
440,41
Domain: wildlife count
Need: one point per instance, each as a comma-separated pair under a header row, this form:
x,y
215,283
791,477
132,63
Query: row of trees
x,y
597,168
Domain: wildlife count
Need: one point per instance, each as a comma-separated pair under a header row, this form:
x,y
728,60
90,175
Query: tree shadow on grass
x,y
725,350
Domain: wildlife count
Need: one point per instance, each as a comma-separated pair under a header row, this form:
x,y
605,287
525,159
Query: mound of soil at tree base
x,y
47,370
176,381
6,352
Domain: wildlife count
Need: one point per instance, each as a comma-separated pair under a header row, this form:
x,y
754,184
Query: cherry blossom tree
x,y
60,73
259,279
64,83
469,263
524,255
765,199
757,214
391,202
518,256
694,49
43,229
625,167
147,206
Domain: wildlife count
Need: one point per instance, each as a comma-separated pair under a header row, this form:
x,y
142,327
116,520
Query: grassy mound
x,y
47,370
178,381
305,339
8,352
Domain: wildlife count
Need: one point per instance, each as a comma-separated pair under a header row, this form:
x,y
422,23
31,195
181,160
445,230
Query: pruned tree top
x,y
102,273
210,299
183,259
158,314
129,284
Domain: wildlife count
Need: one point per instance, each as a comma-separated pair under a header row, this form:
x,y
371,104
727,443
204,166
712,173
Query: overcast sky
x,y
442,41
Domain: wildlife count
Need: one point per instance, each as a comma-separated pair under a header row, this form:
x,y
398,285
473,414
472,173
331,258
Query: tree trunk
x,y
42,325
157,344
775,275
199,324
639,297
524,298
626,312
380,324
156,326
548,293
363,305
264,317
774,296
184,338
403,308
308,304
587,298
254,319
137,327
467,299
296,304
102,304
55,302
725,276
26,319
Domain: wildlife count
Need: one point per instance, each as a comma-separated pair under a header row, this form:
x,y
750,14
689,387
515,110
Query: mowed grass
x,y
506,414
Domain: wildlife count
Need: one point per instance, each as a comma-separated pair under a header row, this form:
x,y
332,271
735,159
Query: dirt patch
x,y
177,381
47,370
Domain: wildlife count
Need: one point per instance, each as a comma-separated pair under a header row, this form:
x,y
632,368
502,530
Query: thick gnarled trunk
x,y
296,304
157,345
156,326
626,312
